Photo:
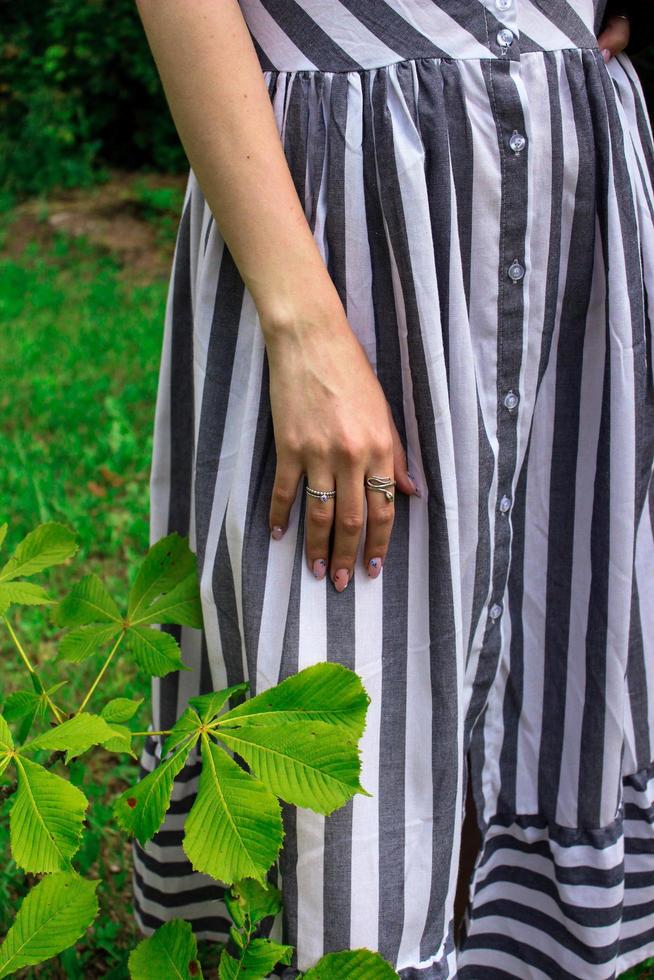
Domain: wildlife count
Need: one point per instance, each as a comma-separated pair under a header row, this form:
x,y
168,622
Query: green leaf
x,y
120,709
121,741
171,953
48,544
181,605
3,533
308,763
355,964
255,901
209,705
6,745
74,736
258,959
140,810
326,692
25,707
53,916
80,643
21,703
187,724
24,594
87,602
155,652
234,829
46,819
167,563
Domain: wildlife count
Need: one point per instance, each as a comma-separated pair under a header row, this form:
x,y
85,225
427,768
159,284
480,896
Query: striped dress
x,y
480,185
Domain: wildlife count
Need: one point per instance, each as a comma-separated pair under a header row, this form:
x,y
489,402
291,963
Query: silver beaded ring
x,y
322,495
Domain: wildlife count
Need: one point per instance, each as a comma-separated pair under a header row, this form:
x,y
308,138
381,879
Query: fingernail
x,y
606,54
341,578
277,532
319,568
374,567
416,488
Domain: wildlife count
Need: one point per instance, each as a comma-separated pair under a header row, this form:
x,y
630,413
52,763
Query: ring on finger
x,y
381,484
322,495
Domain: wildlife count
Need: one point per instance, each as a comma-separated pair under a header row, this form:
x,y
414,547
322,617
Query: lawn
x,y
81,325
81,314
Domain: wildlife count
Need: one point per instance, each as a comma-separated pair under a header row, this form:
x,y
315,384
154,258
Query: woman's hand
x,y
614,36
332,423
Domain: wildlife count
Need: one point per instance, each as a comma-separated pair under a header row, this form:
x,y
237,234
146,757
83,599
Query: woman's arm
x,y
221,108
330,416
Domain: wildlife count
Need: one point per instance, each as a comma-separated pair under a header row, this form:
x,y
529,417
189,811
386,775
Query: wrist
x,y
291,316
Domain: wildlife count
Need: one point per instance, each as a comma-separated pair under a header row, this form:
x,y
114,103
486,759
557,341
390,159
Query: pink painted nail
x,y
606,54
341,578
416,488
374,567
277,532
319,568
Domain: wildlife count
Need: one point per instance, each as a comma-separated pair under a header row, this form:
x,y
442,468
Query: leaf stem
x,y
136,734
53,707
89,693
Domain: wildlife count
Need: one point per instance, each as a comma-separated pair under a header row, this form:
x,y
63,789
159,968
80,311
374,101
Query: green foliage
x,y
165,591
234,828
46,819
248,904
80,90
47,545
74,736
356,964
170,954
140,811
304,754
54,915
298,739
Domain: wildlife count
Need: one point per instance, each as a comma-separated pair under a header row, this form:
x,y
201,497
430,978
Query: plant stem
x,y
136,734
95,683
53,707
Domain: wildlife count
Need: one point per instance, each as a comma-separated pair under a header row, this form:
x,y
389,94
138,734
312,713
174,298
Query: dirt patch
x,y
132,216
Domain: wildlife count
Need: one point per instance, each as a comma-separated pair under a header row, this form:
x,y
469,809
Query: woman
x,y
418,244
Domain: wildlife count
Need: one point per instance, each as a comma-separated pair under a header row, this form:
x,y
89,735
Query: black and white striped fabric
x,y
480,184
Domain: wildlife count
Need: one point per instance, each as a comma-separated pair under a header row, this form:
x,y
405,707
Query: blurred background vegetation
x,y
79,92
92,178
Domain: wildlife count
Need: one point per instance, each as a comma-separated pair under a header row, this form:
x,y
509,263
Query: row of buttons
x,y
515,272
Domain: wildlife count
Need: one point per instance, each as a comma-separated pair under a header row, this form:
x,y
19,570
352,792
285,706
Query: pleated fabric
x,y
480,184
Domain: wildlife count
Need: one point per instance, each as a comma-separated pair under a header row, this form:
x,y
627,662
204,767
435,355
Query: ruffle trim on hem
x,y
550,901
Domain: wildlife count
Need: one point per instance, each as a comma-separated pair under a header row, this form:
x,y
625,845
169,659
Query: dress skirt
x,y
480,185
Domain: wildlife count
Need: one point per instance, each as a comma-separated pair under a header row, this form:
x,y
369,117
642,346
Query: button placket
x,y
513,148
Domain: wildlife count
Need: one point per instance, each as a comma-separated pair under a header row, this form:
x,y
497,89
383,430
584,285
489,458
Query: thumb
x,y
403,480
614,37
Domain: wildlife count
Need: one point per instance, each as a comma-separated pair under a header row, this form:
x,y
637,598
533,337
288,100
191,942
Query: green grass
x,y
79,361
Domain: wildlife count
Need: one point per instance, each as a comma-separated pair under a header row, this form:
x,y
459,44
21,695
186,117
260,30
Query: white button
x,y
516,271
504,37
517,142
503,4
495,611
511,400
505,504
